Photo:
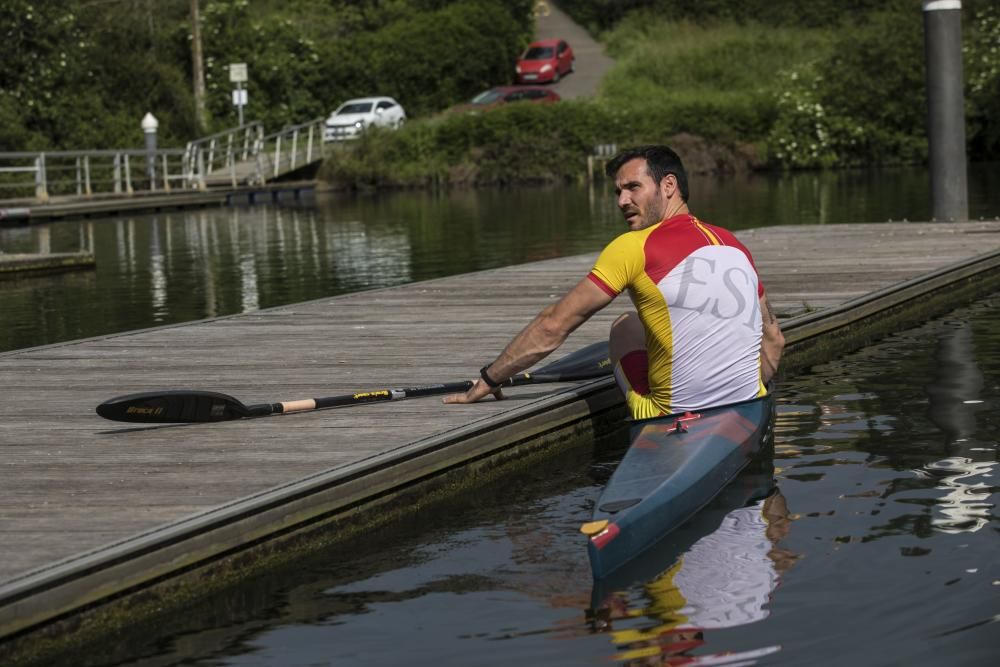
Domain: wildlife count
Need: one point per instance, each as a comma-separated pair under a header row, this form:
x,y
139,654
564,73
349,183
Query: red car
x,y
547,60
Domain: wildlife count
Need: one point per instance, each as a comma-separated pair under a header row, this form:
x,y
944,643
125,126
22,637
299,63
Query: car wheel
x,y
572,65
399,123
555,77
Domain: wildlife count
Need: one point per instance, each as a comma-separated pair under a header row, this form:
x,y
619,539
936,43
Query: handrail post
x,y
117,173
258,161
309,144
79,179
187,165
166,172
201,170
128,176
41,181
295,149
86,176
277,155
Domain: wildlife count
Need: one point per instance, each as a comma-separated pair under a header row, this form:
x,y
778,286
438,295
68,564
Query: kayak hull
x,y
674,466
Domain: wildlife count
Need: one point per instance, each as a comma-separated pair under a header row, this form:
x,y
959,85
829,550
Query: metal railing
x,y
234,157
291,148
215,159
84,173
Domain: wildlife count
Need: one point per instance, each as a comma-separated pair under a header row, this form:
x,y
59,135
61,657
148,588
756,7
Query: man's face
x,y
640,199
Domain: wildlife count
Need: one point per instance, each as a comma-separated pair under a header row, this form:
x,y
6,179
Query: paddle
x,y
186,406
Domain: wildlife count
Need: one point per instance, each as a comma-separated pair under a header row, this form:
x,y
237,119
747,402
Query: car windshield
x,y
538,53
355,107
489,97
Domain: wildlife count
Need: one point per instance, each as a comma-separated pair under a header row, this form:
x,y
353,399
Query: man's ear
x,y
668,185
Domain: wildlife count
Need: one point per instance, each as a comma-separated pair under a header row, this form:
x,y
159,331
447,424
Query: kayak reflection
x,y
717,571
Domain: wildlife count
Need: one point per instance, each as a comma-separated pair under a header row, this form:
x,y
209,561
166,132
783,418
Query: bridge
x,y
207,169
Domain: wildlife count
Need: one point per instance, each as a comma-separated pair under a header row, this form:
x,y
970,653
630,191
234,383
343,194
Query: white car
x,y
353,116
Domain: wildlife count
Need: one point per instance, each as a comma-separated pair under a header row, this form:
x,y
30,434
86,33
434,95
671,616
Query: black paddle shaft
x,y
195,406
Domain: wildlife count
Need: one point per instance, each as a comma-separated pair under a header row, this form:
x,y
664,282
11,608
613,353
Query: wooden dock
x,y
81,206
33,264
93,510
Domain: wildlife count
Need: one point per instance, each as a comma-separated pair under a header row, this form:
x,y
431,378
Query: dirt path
x,y
591,61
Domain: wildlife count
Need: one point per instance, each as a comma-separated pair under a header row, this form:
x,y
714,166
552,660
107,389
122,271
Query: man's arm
x,y
542,336
772,344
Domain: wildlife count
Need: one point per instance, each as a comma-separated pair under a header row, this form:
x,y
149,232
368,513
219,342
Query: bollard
x,y
945,109
149,127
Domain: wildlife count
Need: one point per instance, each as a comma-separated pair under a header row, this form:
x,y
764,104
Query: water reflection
x,y
175,267
880,546
719,571
955,396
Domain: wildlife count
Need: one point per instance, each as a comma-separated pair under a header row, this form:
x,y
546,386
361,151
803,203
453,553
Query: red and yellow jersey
x,y
696,290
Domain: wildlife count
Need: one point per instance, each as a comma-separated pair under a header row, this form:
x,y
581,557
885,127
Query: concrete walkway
x,y
591,60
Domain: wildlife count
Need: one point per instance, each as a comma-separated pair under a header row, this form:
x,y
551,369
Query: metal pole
x,y
239,101
945,109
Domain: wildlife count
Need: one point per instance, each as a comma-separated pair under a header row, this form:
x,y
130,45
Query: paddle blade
x,y
171,407
586,363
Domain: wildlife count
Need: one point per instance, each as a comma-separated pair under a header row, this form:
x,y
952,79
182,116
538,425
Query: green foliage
x,y
520,142
863,103
601,15
982,78
717,82
81,74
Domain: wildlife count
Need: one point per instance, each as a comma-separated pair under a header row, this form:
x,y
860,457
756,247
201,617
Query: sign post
x,y
238,75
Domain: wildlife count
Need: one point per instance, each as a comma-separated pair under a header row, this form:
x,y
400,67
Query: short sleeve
x,y
619,263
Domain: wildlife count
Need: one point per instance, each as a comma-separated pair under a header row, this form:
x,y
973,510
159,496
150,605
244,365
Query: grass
x,y
660,61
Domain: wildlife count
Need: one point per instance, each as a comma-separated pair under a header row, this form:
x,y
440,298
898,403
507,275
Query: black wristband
x,y
487,379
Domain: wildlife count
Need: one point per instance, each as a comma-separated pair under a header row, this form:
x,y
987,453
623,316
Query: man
x,y
704,334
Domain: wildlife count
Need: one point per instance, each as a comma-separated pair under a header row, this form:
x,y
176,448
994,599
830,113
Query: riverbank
x,y
559,155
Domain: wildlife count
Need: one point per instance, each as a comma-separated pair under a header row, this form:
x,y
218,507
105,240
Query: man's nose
x,y
624,199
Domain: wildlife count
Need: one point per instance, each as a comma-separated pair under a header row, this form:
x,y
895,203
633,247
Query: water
x,y
182,266
880,547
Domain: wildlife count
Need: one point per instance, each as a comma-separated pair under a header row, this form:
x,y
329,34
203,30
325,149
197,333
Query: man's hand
x,y
478,391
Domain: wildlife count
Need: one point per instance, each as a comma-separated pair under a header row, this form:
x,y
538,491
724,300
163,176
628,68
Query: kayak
x,y
673,467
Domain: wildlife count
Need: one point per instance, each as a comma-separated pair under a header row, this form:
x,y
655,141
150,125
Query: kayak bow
x,y
674,466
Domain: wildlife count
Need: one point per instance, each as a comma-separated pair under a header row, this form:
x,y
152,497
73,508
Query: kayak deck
x,y
674,466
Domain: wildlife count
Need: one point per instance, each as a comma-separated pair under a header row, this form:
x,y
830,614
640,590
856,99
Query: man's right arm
x,y
543,335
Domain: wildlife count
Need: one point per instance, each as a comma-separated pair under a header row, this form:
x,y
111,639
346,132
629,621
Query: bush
x,y
863,104
982,79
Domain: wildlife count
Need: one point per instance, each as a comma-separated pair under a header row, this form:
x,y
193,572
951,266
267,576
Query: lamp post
x,y
149,127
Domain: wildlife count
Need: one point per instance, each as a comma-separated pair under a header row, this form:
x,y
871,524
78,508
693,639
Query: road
x,y
591,61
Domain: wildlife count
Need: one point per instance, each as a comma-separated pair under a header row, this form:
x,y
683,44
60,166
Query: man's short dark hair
x,y
660,161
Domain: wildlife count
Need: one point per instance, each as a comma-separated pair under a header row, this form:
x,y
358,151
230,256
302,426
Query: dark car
x,y
494,97
546,60
504,94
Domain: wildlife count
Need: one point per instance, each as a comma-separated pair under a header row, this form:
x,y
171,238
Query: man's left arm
x,y
772,344
541,337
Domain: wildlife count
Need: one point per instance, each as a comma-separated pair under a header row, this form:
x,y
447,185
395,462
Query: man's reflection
x,y
724,579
